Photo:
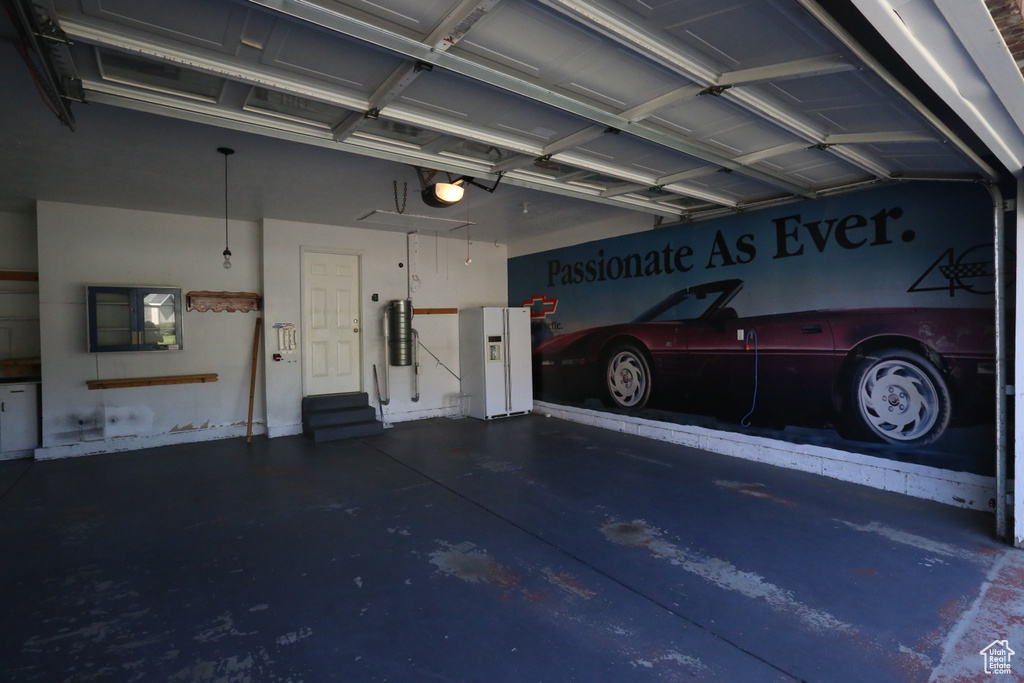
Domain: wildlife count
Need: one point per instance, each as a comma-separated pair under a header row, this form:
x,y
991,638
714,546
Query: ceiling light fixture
x,y
444,194
441,195
226,151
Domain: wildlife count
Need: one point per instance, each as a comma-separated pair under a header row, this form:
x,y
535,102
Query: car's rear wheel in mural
x,y
627,377
898,396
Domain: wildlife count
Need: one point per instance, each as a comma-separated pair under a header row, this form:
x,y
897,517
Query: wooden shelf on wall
x,y
232,302
150,381
20,367
20,275
435,311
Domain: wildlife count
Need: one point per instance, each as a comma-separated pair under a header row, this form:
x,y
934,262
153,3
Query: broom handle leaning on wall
x,y
252,379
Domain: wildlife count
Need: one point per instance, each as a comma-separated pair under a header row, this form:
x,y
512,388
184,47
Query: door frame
x,y
303,316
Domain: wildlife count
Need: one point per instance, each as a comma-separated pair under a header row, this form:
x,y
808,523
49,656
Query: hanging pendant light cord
x,y
468,241
225,201
226,151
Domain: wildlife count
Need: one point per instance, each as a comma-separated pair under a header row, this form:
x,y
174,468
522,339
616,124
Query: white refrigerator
x,y
494,361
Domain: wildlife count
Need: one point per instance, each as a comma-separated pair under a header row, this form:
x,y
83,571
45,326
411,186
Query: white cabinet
x,y
19,420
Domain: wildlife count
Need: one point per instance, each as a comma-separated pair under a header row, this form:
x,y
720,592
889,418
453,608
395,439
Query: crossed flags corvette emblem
x,y
540,306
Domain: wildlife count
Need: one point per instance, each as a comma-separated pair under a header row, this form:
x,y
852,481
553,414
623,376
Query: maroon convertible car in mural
x,y
897,375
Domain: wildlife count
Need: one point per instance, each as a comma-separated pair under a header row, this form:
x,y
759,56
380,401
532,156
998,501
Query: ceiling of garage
x,y
681,109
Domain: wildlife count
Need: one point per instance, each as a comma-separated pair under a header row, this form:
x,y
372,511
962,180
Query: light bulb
x,y
449,193
227,259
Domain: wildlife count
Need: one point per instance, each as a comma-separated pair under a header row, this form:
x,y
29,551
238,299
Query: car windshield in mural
x,y
898,375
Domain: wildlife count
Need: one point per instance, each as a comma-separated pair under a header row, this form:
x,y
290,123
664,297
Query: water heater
x,y
400,332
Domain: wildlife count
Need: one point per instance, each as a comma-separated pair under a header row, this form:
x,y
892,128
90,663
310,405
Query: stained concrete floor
x,y
527,549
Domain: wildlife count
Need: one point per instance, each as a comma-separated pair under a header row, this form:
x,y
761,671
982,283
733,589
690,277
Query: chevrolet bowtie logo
x,y
540,306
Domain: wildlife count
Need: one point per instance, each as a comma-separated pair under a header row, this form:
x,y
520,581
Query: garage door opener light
x,y
441,195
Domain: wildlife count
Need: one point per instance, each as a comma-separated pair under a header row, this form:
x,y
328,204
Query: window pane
x,y
159,319
294,107
154,75
134,319
113,319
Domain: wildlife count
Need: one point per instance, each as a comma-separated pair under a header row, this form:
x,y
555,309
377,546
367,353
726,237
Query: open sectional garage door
x,y
685,110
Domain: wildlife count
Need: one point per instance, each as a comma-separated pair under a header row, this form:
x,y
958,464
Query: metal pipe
x,y
1015,448
999,256
408,270
415,366
387,359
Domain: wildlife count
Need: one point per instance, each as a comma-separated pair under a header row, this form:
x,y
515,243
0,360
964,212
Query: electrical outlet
x,y
739,335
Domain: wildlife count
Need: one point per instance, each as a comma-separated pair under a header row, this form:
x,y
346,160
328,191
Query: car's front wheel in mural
x,y
627,378
900,397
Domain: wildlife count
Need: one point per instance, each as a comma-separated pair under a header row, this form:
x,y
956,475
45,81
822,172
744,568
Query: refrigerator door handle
x,y
508,364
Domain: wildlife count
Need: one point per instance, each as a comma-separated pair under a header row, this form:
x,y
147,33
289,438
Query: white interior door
x,y
332,354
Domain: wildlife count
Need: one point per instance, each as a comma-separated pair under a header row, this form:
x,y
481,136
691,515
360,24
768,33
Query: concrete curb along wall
x,y
192,435
117,444
960,489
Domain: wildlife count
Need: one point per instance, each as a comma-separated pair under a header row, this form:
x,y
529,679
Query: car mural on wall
x,y
900,375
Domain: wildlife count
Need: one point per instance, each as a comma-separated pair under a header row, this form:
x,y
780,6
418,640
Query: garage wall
x,y
392,263
19,331
615,223
830,269
81,245
823,288
18,235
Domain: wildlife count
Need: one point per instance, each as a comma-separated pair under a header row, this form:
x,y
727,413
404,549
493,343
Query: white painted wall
x,y
441,279
82,245
617,223
19,333
18,236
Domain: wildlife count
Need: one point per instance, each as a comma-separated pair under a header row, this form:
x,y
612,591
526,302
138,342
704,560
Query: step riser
x,y
346,432
339,416
329,418
334,401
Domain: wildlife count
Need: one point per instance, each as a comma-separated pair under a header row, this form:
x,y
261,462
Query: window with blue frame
x,y
134,319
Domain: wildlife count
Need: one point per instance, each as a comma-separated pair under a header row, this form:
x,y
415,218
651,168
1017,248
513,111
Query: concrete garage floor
x,y
527,549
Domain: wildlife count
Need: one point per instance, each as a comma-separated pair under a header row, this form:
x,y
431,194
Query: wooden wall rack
x,y
435,311
20,275
232,302
150,381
